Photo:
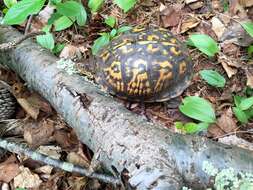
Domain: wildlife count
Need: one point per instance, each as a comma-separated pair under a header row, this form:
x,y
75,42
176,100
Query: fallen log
x,y
151,155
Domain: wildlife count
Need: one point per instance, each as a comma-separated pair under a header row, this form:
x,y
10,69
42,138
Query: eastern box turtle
x,y
7,104
144,64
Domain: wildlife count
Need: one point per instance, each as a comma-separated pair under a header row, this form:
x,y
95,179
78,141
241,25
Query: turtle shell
x,y
145,64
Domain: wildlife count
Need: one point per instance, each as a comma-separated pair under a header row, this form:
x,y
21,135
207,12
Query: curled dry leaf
x,y
218,27
234,140
236,34
196,5
70,52
229,65
39,133
75,158
226,121
29,108
170,16
249,74
188,22
246,3
52,151
26,179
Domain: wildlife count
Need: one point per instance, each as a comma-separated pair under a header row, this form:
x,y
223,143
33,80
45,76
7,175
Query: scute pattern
x,y
148,65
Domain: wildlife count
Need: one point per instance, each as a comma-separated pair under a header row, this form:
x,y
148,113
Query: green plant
x,y
126,5
243,109
204,43
250,51
213,78
199,109
248,26
106,37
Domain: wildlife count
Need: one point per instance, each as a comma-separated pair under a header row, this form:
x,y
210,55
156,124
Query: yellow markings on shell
x,y
138,29
167,44
152,49
146,42
164,74
175,51
126,50
105,56
165,52
152,37
173,40
163,29
182,67
139,81
125,42
114,77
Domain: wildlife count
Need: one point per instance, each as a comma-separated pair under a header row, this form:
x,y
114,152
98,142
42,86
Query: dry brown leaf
x,y
77,183
26,179
39,102
8,171
65,139
70,52
226,121
45,169
189,22
218,27
246,3
249,74
75,158
226,64
170,16
234,140
217,5
29,108
215,131
196,5
39,133
52,151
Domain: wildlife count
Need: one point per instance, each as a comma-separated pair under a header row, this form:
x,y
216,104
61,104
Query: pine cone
x,y
7,104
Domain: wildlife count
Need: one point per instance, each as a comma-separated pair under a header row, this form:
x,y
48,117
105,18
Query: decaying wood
x,y
152,156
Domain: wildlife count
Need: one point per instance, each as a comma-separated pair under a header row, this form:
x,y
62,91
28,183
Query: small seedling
x,y
106,37
243,109
248,26
198,109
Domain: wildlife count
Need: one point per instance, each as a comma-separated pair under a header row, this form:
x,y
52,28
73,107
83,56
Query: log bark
x,y
153,157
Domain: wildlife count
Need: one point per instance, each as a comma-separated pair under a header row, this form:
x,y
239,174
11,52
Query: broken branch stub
x,y
152,156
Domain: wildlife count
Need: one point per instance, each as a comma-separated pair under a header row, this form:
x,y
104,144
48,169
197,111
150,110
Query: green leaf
x,y
55,2
47,28
100,42
53,18
126,5
46,41
198,108
113,33
191,127
81,18
62,23
10,3
124,29
204,43
240,115
58,48
110,21
248,26
250,50
94,5
213,78
69,8
21,10
238,100
246,103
